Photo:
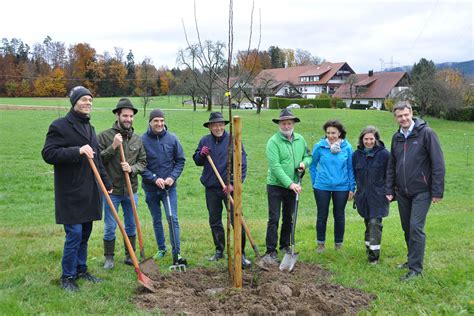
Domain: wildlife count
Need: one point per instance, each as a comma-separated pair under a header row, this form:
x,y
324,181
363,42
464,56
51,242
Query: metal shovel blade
x,y
288,262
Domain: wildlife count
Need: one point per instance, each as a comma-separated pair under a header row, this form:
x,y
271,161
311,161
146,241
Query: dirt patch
x,y
305,291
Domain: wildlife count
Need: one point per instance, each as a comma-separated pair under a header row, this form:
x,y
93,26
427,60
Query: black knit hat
x,y
286,114
156,113
77,93
125,103
215,117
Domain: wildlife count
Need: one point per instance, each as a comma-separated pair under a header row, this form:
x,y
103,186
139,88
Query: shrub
x,y
460,114
388,104
341,105
359,106
280,103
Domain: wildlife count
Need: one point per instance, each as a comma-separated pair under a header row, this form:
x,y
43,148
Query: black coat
x,y
369,171
416,163
77,195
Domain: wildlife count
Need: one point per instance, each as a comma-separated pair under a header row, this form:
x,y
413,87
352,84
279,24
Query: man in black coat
x,y
415,174
70,142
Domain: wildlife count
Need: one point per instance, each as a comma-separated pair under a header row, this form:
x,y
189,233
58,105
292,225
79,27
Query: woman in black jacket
x,y
370,164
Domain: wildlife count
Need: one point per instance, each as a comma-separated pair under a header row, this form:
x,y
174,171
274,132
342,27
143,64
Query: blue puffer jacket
x,y
218,149
165,158
332,172
370,173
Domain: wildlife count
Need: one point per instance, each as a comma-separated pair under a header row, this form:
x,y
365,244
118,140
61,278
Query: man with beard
x,y
121,134
286,152
165,163
70,142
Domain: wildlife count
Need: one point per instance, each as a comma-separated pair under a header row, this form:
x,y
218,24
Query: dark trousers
x,y
279,199
373,237
75,248
413,211
339,201
215,200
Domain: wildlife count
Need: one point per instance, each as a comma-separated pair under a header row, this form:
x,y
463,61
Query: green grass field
x,y
31,242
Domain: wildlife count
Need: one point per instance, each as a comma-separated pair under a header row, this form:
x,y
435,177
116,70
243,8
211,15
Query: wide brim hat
x,y
286,114
125,103
215,117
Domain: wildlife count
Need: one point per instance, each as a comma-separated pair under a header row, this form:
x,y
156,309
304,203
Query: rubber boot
x,y
109,249
128,259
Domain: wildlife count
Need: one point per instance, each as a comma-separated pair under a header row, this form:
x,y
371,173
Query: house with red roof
x,y
306,81
372,88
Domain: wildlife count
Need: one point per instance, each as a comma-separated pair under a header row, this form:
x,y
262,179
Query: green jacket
x,y
134,154
284,157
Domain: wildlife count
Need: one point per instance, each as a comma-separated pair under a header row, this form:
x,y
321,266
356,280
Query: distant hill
x,y
465,67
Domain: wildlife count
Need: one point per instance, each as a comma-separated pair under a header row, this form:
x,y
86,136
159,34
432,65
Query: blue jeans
x,y
339,201
153,199
75,248
110,225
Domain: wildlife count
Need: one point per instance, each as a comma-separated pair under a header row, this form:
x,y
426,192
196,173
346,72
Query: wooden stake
x,y
237,203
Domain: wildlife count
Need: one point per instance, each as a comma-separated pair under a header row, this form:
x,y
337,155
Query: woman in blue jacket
x,y
370,165
333,178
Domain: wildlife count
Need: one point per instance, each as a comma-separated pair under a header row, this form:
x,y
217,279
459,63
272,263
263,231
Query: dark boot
x,y
109,250
128,259
69,284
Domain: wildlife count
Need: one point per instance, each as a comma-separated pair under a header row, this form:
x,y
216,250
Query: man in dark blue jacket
x,y
165,162
216,143
415,175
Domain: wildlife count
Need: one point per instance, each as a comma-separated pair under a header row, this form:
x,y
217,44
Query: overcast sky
x,y
367,34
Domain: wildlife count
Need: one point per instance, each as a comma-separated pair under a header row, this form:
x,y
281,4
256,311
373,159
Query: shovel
x,y
174,267
244,224
142,278
134,207
289,260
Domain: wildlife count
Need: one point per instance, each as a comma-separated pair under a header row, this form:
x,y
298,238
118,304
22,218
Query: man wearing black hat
x,y
110,140
286,152
70,142
216,143
165,162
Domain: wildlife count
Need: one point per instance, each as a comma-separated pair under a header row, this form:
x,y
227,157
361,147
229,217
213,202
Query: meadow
x,y
31,243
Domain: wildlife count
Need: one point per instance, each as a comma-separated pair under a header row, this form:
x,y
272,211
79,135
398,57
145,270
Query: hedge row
x,y
280,103
461,114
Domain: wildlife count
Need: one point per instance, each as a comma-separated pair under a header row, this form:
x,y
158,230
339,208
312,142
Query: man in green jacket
x,y
110,140
287,151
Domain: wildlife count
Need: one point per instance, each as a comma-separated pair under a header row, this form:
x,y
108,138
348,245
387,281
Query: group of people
x,y
412,173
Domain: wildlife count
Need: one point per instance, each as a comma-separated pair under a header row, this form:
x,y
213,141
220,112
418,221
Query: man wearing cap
x,y
216,144
70,142
165,162
110,140
286,152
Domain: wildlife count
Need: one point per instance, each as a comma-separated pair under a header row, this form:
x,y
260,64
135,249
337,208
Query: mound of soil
x,y
305,291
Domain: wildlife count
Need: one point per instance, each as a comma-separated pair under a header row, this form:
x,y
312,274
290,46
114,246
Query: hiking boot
x,y
286,250
321,248
180,260
373,262
402,266
245,262
160,254
88,277
217,256
270,258
410,275
69,284
338,246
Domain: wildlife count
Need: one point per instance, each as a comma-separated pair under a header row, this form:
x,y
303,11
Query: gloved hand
x,y
231,188
204,151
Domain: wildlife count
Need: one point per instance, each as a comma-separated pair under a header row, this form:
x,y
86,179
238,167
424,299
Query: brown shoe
x,y
320,248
